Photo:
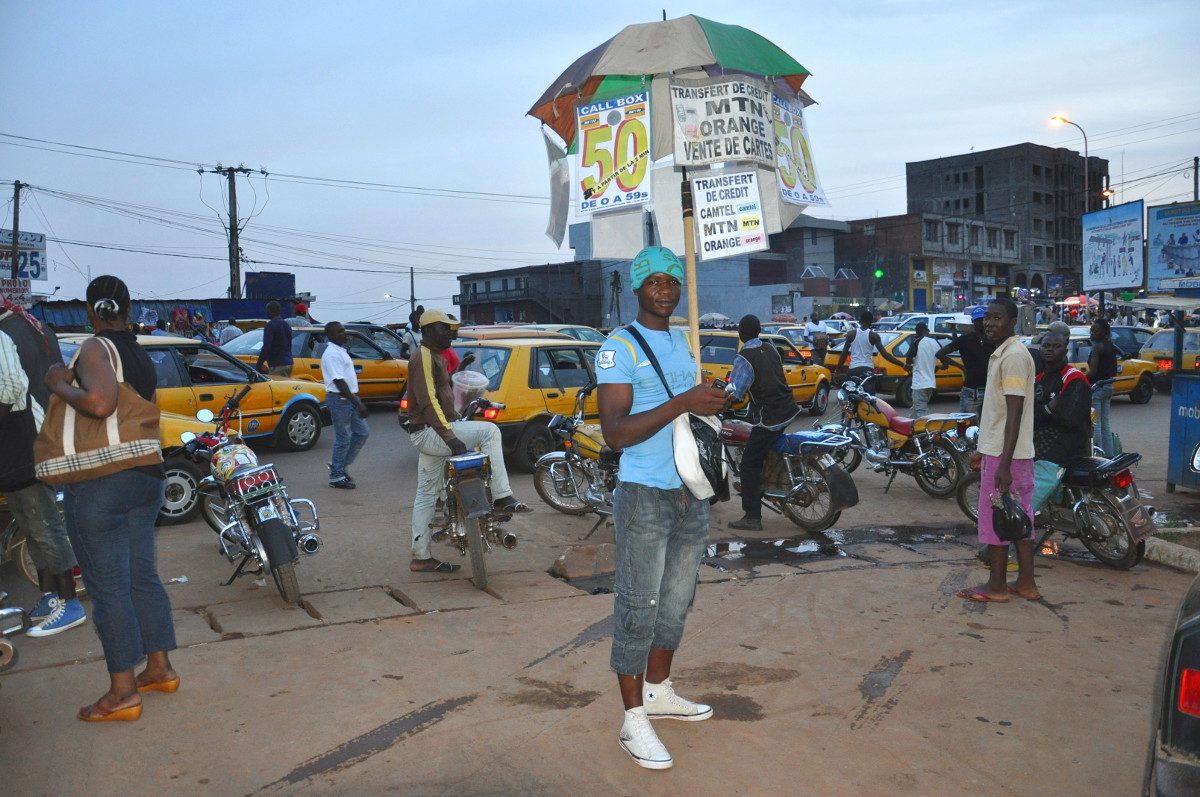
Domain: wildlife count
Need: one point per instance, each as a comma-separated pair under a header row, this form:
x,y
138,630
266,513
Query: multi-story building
x,y
1038,189
763,283
928,259
554,293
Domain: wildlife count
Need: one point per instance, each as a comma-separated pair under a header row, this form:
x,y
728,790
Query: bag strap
x,y
650,355
111,423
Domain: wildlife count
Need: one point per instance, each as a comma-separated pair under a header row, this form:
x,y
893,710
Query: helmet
x,y
1009,519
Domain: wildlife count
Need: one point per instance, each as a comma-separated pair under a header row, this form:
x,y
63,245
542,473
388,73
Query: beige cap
x,y
434,316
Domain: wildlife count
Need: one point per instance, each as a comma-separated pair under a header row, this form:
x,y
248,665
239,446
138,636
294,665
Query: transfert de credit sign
x,y
614,153
729,216
724,120
33,262
798,181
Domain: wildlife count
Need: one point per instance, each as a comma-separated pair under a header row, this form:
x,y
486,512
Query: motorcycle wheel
x,y
475,545
20,553
849,458
212,507
1114,549
8,655
543,482
286,582
821,513
948,471
968,495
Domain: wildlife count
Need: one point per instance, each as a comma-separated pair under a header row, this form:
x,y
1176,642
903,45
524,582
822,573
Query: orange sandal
x,y
160,686
128,714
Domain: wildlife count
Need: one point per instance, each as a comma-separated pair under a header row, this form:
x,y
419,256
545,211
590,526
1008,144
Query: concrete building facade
x,y
1037,189
554,293
932,259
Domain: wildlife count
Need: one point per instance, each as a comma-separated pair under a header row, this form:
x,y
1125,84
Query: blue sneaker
x,y
66,614
43,608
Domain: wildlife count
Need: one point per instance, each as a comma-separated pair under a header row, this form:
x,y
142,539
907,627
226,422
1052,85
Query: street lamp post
x,y
1062,120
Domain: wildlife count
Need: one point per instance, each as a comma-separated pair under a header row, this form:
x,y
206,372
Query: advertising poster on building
x,y
1174,235
18,291
722,120
32,256
613,165
798,181
1112,248
729,216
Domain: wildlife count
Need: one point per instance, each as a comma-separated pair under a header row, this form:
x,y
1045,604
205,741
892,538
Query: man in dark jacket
x,y
275,356
26,354
1062,422
759,370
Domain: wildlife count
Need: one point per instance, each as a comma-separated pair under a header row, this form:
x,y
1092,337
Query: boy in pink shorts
x,y
1006,448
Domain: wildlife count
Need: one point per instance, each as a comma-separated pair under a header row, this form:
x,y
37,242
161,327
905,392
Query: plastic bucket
x,y
468,386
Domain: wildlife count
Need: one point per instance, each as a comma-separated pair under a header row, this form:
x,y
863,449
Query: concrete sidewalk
x,y
855,674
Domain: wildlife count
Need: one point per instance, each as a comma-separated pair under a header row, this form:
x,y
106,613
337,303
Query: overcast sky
x,y
433,96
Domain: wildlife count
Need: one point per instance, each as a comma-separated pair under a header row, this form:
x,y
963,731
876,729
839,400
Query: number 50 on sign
x,y
614,153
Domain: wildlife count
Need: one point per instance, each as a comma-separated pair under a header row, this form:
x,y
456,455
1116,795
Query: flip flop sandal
x,y
1013,590
979,596
440,567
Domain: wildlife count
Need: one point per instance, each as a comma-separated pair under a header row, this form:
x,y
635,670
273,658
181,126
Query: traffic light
x,y
878,273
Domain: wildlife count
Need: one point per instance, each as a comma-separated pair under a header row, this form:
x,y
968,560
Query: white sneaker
x,y
641,742
661,702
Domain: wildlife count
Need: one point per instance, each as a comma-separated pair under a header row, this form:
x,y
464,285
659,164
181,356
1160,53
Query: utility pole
x,y
614,298
235,253
16,230
1196,179
412,290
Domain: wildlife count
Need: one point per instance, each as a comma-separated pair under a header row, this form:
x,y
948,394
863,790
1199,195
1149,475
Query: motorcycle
x,y
1097,503
12,623
801,476
247,504
473,524
582,476
927,448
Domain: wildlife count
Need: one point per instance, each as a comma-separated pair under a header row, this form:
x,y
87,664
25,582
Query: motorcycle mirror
x,y
205,416
187,437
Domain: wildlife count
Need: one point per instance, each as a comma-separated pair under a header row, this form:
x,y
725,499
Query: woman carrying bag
x,y
100,443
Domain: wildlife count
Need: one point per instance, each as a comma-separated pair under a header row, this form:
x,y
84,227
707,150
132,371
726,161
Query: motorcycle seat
x,y
940,421
1089,467
803,442
896,422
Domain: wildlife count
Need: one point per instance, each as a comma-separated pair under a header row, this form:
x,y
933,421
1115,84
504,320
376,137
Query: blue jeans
x,y
350,433
1102,431
970,399
111,524
661,537
35,508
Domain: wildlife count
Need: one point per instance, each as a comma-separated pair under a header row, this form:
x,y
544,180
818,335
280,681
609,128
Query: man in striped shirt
x,y
437,435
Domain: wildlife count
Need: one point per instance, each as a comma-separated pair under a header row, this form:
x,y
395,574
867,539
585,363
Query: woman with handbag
x,y
101,444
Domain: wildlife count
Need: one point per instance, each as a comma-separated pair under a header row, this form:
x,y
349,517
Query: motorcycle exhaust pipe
x,y
508,540
309,543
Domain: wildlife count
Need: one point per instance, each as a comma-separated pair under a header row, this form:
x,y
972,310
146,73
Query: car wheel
x,y
1143,392
300,427
904,396
181,491
820,401
534,443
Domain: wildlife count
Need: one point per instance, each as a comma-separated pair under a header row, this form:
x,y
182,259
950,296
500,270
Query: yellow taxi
x,y
484,332
193,376
381,376
809,382
535,379
1159,350
890,378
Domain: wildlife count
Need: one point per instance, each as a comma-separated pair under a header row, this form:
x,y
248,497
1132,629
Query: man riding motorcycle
x,y
436,437
1062,423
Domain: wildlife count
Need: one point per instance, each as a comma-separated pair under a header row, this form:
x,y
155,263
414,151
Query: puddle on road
x,y
739,553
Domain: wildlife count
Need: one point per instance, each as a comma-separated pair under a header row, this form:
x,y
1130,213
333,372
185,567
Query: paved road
x,y
850,671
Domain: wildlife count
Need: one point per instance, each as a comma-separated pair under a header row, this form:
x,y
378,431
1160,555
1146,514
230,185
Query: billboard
x,y
1174,235
32,256
1113,257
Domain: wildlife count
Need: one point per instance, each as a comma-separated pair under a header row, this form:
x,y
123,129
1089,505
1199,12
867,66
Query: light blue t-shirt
x,y
621,361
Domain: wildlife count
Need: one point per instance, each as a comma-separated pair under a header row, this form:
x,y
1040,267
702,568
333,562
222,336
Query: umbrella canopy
x,y
714,318
659,48
841,317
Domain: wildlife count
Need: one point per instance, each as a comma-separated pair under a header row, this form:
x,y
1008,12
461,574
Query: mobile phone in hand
x,y
720,384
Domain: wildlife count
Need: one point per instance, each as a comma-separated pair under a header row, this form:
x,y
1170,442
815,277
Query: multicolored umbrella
x,y
671,47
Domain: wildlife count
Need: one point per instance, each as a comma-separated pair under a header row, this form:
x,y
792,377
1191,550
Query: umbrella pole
x,y
689,262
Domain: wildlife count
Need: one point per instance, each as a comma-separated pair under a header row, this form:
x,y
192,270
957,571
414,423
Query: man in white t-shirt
x,y
346,409
816,332
922,359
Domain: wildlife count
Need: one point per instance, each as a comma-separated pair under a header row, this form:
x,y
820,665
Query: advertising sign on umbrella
x,y
728,214
722,120
798,181
614,153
